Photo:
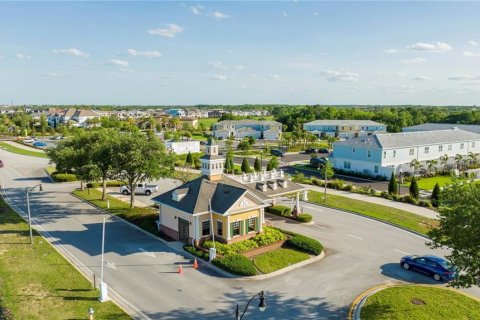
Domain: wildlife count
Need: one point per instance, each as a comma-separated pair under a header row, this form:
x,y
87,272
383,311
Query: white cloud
x,y
218,65
53,75
196,10
473,43
118,62
413,61
421,78
147,54
432,47
72,52
2,57
390,50
219,77
239,67
219,15
169,32
462,77
342,76
284,13
275,76
471,53
22,56
315,13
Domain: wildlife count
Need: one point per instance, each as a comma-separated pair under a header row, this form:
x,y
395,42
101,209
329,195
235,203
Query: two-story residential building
x,y
239,129
183,147
344,129
76,117
382,154
219,205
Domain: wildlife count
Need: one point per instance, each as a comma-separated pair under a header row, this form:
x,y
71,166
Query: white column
x,y
262,219
298,201
305,195
228,228
196,232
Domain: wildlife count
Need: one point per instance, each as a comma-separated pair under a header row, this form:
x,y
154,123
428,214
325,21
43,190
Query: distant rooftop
x,y
443,126
247,121
345,122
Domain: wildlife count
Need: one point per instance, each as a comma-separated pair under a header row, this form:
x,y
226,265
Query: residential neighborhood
x,y
239,160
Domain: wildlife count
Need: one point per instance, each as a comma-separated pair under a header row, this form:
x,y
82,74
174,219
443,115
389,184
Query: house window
x,y
220,228
376,169
251,224
440,148
205,228
394,153
347,164
462,145
473,144
411,152
449,147
353,150
384,154
427,149
235,228
369,153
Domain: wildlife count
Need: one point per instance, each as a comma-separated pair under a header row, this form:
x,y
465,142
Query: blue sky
x,y
240,52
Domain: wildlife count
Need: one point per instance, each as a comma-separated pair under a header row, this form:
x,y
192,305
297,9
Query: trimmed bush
x,y
195,252
425,203
305,244
409,199
280,211
63,177
270,235
236,264
305,217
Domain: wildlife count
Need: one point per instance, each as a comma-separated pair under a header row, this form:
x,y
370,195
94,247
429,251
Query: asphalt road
x,y
141,270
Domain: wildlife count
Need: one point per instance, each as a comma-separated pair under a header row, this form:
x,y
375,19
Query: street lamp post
x,y
261,305
27,190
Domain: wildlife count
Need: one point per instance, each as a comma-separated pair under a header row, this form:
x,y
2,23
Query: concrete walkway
x,y
425,212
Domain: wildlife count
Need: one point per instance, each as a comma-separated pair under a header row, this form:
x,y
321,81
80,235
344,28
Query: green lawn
x,y
207,122
21,151
429,183
392,215
396,304
199,137
142,217
277,259
36,282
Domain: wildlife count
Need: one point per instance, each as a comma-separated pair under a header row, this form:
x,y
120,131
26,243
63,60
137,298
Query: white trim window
x,y
427,150
462,145
440,148
220,228
411,152
205,228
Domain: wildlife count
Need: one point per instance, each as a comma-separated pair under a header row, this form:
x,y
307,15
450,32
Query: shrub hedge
x,y
64,177
305,244
280,211
305,217
199,253
236,264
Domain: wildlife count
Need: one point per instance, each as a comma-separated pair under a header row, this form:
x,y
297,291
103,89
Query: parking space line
x,y
402,252
355,237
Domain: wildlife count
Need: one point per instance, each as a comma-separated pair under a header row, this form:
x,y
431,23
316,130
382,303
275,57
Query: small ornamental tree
x,y
436,195
257,166
414,188
246,166
273,163
189,159
392,185
227,166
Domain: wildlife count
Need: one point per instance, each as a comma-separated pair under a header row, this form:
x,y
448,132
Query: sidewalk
x,y
425,212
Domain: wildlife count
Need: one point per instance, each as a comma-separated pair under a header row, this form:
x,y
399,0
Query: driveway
x,y
141,270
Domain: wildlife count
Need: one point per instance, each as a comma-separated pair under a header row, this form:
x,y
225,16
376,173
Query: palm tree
x,y
473,159
458,159
415,164
443,161
432,165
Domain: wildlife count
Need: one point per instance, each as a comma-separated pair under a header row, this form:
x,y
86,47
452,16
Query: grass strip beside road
x,y
278,259
22,151
143,217
397,303
391,215
36,282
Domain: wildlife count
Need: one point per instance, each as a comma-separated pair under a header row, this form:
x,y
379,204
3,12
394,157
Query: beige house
x,y
215,203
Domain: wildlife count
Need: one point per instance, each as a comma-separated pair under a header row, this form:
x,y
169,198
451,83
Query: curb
x,y
357,304
371,218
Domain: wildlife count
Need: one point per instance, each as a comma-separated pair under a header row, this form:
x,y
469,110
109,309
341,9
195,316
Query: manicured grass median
x,y
392,215
142,217
429,183
278,259
36,282
396,304
21,151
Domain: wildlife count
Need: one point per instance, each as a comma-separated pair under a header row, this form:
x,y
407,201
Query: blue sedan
x,y
39,144
436,267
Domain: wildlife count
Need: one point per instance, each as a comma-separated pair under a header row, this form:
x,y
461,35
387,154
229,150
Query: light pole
x,y
325,176
27,190
261,306
103,285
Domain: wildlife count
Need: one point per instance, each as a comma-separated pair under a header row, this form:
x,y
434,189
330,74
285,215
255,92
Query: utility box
x,y
212,254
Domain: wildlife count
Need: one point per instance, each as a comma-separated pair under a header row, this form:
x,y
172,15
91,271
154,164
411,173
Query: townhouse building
x,y
239,129
344,129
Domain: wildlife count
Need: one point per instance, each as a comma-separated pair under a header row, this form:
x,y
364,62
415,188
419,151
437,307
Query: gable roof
x,y
443,126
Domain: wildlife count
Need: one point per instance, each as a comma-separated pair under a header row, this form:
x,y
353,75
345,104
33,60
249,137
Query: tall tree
x,y
392,185
444,161
458,160
414,188
458,230
257,166
246,166
415,165
436,195
273,163
140,158
189,159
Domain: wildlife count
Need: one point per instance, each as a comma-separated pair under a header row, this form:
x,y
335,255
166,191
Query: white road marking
x,y
147,253
110,265
355,237
402,252
319,226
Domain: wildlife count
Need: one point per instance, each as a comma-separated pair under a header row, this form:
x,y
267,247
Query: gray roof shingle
x,y
444,126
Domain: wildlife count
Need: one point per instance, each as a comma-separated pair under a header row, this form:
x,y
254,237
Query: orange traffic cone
x,y
180,269
195,264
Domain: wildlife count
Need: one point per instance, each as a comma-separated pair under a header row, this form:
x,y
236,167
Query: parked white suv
x,y
142,188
